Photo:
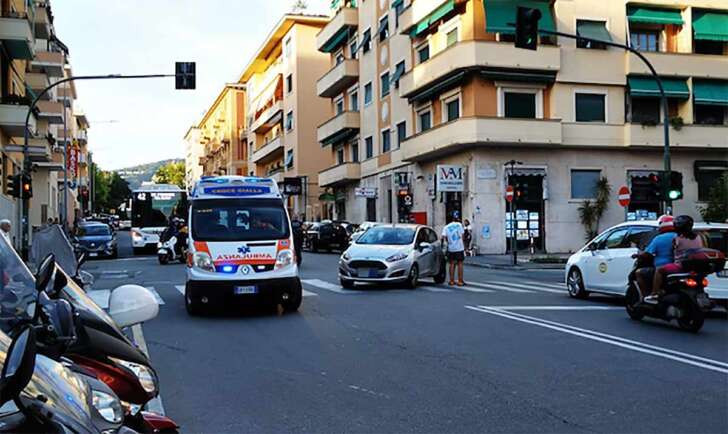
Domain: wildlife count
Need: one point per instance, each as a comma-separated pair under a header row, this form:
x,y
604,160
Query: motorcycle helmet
x,y
666,223
684,224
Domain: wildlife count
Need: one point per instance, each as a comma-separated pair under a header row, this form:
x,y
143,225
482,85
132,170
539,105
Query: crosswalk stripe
x,y
536,287
471,289
433,289
158,297
499,287
328,286
181,290
548,285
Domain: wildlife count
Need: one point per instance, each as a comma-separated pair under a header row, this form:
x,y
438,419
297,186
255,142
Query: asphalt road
x,y
509,353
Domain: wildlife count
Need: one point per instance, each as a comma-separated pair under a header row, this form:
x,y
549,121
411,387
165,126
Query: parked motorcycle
x,y
685,299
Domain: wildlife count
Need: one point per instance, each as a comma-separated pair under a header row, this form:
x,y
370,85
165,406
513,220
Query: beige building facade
x,y
430,101
222,146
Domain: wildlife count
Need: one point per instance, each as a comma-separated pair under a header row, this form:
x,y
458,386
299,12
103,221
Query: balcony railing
x,y
681,65
339,78
340,174
16,36
50,62
12,116
338,128
346,20
274,146
51,111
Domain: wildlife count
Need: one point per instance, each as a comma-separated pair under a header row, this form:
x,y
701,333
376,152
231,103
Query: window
x,y
339,104
367,42
367,94
383,29
424,120
354,101
452,37
615,240
386,141
385,84
288,48
340,155
401,133
708,47
590,107
369,145
230,220
355,151
353,46
643,40
592,29
340,57
289,159
398,72
289,121
709,114
519,104
584,183
707,175
423,53
289,83
645,110
451,108
398,10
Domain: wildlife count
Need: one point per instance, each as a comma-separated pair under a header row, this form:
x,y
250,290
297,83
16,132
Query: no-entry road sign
x,y
624,196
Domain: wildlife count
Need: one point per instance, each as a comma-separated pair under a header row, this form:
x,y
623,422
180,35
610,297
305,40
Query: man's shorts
x,y
456,256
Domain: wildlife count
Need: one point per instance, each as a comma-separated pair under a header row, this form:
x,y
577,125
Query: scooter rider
x,y
661,250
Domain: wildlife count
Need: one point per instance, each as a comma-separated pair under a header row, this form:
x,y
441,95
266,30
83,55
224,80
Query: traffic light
x,y
12,186
522,190
656,187
527,28
675,188
184,73
26,186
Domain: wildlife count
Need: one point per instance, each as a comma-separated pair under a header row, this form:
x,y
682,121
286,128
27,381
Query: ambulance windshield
x,y
239,220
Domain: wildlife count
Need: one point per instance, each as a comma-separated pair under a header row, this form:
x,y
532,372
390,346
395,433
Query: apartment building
x,y
430,101
283,111
194,156
224,148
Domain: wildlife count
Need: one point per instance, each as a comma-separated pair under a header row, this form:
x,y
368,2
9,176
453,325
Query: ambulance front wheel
x,y
292,299
193,307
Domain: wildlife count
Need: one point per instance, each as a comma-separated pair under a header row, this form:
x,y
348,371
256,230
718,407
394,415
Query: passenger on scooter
x,y
685,240
661,250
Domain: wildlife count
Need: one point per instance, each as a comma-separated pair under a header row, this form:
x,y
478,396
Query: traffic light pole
x,y
663,98
28,166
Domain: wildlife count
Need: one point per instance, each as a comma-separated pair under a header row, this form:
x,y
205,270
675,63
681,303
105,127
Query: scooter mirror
x,y
81,259
132,304
59,282
45,272
19,365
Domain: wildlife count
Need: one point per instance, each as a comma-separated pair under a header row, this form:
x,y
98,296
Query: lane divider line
x,y
557,308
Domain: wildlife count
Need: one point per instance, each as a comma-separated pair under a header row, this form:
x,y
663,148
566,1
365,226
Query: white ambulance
x,y
240,245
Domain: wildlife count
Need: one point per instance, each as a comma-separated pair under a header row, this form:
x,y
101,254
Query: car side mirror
x,y
132,304
423,246
19,365
45,272
592,247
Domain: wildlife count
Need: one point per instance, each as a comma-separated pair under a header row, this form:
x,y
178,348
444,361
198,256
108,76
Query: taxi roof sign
x,y
215,187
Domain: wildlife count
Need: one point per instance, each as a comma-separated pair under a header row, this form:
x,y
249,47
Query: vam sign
x,y
450,178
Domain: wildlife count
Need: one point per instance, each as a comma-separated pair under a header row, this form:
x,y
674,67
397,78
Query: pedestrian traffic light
x,y
26,186
12,186
675,189
656,187
184,74
527,28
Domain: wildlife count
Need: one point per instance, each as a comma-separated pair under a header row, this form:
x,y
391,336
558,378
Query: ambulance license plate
x,y
239,290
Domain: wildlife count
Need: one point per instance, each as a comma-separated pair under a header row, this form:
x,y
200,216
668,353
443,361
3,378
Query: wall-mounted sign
x,y
292,186
487,173
369,192
450,178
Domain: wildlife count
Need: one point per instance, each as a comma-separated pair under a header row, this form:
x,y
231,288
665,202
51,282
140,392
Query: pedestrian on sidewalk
x,y
452,234
5,227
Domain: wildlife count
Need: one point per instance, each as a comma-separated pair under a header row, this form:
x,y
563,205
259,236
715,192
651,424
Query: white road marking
x,y
100,297
158,297
666,353
328,286
181,290
471,289
155,405
434,289
576,307
501,288
531,287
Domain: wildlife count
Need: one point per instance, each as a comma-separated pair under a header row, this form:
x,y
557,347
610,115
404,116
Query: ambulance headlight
x,y
203,261
284,259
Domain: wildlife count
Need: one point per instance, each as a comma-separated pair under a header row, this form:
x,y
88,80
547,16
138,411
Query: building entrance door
x,y
453,202
371,209
527,218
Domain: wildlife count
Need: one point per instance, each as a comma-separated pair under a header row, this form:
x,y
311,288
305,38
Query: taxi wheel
x,y
441,276
575,284
414,277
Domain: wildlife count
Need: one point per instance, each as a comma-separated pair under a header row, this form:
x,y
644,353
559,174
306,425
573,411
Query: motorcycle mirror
x,y
132,304
19,365
45,272
81,259
59,282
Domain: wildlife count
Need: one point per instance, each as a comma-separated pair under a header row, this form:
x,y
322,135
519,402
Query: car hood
x,y
371,251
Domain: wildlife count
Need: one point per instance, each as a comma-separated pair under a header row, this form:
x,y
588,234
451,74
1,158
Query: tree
x,y
716,209
591,212
171,173
101,189
119,191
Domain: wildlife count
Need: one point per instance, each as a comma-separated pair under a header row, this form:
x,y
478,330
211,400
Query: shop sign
x,y
292,186
450,178
368,192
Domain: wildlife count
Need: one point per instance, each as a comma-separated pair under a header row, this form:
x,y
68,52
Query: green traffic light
x,y
674,194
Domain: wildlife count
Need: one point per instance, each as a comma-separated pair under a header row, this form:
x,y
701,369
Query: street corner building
x,y
32,57
430,99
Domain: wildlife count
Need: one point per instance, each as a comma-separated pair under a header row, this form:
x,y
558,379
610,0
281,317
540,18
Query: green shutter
x,y
639,14
433,18
710,25
711,92
500,14
593,29
340,37
647,87
397,3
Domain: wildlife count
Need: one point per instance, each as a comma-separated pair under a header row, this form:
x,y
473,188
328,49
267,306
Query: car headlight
x,y
346,256
108,406
109,244
146,376
397,257
203,261
284,259
136,235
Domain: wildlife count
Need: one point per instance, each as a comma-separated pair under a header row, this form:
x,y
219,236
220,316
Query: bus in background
x,y
152,205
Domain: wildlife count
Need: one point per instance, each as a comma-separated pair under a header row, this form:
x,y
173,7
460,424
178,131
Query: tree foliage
x,y
591,212
171,173
716,209
110,190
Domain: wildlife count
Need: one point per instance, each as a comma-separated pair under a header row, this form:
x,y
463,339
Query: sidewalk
x,y
555,261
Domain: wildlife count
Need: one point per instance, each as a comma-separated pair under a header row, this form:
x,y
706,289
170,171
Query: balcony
x,y
66,95
689,136
269,118
476,131
82,137
271,148
17,37
345,20
479,54
681,65
38,148
340,174
37,81
42,22
338,128
12,119
338,79
416,12
50,111
50,62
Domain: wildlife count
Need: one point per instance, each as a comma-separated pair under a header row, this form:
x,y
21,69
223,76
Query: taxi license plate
x,y
239,290
93,254
723,273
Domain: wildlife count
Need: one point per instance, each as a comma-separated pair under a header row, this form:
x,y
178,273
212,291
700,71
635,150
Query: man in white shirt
x,y
452,234
5,228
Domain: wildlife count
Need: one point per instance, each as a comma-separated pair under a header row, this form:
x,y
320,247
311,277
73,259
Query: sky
x,y
141,121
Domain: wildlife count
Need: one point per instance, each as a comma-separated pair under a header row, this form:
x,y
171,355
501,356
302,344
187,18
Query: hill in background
x,y
135,175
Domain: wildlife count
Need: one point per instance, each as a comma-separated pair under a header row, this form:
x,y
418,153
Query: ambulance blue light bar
x,y
235,186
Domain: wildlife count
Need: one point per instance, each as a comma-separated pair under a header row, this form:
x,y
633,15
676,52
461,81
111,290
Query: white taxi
x,y
604,264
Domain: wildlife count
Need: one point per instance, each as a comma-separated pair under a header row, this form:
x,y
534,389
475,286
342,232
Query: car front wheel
x,y
413,277
575,284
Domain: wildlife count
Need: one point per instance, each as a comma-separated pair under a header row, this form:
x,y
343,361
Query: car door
x,y
437,257
425,256
620,259
599,263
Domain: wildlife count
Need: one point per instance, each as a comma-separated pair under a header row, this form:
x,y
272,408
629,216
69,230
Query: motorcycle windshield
x,y
53,240
17,288
80,301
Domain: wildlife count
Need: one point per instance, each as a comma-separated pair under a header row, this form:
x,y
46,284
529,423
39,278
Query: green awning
x,y
500,15
397,3
433,18
711,92
432,90
398,72
339,38
640,14
710,25
593,29
327,197
647,87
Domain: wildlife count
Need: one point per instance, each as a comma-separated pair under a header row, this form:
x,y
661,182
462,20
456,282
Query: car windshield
x,y
387,236
17,288
239,220
93,231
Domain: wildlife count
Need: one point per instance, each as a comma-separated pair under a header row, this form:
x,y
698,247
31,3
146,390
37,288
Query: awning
x,y
710,25
365,40
640,14
647,87
430,91
327,197
711,92
49,166
397,3
335,41
384,24
500,15
520,75
397,74
433,18
593,30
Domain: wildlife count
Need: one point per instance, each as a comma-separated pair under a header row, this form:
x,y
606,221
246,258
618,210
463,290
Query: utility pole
x,y
512,210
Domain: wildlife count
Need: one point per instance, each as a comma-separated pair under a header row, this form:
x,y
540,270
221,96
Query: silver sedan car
x,y
393,253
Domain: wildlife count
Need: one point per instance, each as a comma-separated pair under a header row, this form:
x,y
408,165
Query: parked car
x,y
603,265
327,235
96,240
393,253
361,229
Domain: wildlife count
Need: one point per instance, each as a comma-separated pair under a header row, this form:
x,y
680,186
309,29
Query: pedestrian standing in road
x,y
5,228
452,234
